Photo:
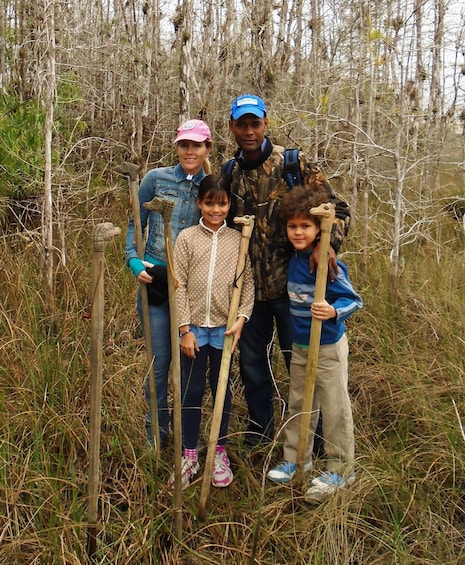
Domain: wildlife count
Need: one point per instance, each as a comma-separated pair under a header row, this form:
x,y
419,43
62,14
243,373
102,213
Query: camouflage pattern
x,y
259,192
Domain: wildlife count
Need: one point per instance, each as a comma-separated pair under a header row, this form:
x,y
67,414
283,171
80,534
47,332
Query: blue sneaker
x,y
285,471
327,484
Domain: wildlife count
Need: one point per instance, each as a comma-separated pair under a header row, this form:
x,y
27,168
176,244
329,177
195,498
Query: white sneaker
x,y
284,472
189,468
327,484
222,474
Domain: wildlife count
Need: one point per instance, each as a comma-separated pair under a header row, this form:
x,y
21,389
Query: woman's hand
x,y
144,277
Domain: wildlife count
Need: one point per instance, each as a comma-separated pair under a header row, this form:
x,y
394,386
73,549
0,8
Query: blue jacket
x,y
301,290
170,183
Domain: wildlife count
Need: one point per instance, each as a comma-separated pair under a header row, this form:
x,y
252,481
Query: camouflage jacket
x,y
258,192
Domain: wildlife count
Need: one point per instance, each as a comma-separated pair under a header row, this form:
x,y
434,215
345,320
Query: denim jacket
x,y
170,183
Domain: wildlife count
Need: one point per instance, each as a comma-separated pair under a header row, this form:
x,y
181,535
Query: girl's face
x,y
191,155
214,209
302,232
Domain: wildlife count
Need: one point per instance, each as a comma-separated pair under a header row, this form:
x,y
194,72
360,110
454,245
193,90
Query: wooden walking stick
x,y
102,234
327,214
165,209
247,223
132,171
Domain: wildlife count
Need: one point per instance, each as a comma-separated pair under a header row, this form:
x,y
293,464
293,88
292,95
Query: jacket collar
x,y
221,228
181,175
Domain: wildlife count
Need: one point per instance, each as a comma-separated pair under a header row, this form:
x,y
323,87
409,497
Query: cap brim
x,y
191,137
239,112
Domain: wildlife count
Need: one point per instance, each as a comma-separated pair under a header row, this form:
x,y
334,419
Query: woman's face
x,y
191,155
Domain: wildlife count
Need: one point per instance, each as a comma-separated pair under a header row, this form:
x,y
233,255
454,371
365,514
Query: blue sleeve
x,y
342,296
146,193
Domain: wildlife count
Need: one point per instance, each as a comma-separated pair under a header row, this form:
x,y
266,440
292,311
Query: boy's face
x,y
302,232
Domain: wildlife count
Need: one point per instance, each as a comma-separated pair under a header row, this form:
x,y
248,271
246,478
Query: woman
x,y
178,183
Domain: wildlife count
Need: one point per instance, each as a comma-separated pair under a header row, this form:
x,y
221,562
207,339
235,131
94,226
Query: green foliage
x,y
21,147
68,118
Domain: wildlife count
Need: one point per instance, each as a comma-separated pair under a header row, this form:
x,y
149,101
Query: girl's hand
x,y
323,311
236,330
189,345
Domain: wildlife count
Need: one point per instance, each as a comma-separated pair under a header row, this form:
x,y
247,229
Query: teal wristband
x,y
136,266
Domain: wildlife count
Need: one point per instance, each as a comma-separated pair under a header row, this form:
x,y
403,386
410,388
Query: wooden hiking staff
x,y
132,171
165,209
327,214
247,223
102,234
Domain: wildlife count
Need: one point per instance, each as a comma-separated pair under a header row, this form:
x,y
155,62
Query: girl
x,y
205,259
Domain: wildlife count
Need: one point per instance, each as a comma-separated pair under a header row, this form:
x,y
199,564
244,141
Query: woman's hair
x,y
298,202
206,164
213,186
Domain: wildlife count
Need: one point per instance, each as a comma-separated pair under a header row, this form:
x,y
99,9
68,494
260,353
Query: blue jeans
x,y
194,375
161,350
255,364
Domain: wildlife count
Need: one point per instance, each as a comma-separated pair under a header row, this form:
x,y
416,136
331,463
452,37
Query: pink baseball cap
x,y
194,130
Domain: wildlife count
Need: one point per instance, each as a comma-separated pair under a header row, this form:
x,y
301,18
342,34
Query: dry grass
x,y
407,366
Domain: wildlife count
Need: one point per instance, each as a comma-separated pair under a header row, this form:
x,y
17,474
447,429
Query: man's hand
x,y
332,264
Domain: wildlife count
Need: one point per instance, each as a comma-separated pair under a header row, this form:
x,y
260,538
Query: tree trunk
x,y
50,87
185,61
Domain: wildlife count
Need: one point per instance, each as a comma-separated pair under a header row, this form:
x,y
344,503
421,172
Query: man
x,y
257,186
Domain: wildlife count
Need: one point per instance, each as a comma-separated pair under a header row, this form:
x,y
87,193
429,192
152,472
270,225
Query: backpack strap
x,y
291,168
227,169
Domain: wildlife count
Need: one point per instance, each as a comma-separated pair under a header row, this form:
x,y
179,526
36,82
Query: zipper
x,y
210,277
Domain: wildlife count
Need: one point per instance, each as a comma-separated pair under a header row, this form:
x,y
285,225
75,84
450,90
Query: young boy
x,y
205,260
331,393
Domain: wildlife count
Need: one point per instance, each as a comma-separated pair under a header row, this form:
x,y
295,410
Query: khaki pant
x,y
331,397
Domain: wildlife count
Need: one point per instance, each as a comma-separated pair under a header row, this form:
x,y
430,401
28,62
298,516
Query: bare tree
x,y
184,18
49,100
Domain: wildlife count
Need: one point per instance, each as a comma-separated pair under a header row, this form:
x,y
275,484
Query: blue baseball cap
x,y
248,104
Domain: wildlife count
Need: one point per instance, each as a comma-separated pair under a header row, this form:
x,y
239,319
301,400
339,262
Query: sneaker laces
x,y
221,460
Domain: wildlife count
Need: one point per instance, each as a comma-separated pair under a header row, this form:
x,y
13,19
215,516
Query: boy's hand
x,y
236,330
323,311
332,264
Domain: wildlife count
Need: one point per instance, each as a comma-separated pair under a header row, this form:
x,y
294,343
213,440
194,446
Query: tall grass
x,y
407,368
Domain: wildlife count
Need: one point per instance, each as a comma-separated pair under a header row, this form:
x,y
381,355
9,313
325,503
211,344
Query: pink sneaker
x,y
222,474
189,468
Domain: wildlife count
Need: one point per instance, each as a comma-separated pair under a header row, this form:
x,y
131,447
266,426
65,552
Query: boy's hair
x,y
213,186
298,201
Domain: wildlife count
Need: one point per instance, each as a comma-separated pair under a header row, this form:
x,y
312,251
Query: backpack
x,y
291,168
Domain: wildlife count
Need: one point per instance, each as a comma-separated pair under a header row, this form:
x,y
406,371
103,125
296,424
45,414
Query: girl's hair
x,y
298,201
213,186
